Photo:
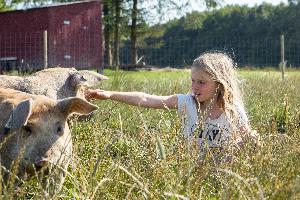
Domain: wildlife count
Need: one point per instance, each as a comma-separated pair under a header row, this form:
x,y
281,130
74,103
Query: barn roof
x,y
51,5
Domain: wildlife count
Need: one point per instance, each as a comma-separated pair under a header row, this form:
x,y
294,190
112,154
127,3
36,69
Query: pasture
x,y
127,152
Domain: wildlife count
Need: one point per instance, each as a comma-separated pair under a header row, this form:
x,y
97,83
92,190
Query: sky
x,y
198,4
253,2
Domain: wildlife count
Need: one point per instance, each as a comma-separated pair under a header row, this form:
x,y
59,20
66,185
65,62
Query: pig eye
x,y
82,78
59,128
28,130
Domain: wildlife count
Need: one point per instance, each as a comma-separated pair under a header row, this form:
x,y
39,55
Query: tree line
x,y
250,35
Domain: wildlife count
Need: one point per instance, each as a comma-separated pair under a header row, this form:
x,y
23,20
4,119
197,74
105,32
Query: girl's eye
x,y
198,81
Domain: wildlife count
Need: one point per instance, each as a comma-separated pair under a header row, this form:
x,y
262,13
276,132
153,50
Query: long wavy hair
x,y
222,69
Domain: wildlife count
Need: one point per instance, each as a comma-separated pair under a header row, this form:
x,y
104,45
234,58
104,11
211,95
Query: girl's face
x,y
203,87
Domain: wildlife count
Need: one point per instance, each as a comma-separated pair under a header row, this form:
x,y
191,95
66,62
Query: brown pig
x,y
34,132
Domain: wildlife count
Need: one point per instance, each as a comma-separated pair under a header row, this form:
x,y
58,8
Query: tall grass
x,y
128,152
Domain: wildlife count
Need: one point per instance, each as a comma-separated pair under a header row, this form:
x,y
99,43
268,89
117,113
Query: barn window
x,y
67,57
66,22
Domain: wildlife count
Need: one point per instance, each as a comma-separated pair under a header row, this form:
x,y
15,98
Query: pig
x,y
34,132
56,83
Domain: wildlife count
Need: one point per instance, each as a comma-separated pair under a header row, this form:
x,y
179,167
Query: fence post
x,y
45,34
282,64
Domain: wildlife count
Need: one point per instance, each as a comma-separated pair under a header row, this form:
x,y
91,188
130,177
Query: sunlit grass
x,y
128,152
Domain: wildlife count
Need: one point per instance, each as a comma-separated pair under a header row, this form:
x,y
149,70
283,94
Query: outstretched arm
x,y
135,98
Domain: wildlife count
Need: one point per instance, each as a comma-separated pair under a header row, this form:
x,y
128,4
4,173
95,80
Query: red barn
x,y
67,35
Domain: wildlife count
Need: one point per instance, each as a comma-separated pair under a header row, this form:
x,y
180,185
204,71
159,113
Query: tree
x,y
133,34
160,5
3,5
108,26
8,5
117,8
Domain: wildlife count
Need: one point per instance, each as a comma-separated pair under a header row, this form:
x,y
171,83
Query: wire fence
x,y
20,50
253,52
26,50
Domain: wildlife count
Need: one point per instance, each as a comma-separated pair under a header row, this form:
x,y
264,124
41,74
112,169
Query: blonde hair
x,y
222,69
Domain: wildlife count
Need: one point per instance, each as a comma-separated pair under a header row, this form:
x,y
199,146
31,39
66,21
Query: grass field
x,y
127,152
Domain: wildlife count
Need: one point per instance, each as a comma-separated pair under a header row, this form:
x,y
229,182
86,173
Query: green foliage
x,y
8,5
3,5
282,115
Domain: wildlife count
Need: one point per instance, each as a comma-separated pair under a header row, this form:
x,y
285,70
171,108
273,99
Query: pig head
x,y
34,130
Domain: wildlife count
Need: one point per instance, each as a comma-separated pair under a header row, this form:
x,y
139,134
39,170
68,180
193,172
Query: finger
x,y
99,92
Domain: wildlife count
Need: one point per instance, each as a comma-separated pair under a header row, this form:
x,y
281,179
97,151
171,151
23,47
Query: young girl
x,y
213,110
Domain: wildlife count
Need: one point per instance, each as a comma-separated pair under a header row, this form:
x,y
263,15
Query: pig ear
x,y
102,77
20,114
92,75
76,105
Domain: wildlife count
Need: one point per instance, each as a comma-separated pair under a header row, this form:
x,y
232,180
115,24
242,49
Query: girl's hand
x,y
97,94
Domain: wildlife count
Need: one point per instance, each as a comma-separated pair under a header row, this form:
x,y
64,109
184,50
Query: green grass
x,y
128,152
